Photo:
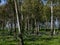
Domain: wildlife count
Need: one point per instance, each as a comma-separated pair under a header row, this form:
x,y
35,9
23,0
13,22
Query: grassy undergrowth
x,y
8,40
44,39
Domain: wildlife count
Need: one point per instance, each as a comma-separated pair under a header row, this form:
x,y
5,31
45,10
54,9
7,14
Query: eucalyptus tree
x,y
3,15
26,10
52,4
11,16
36,13
46,16
32,11
57,17
20,31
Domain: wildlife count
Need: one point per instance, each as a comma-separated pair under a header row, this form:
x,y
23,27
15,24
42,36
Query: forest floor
x,y
44,39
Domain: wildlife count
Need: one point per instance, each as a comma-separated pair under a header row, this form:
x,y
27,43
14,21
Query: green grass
x,y
8,40
44,39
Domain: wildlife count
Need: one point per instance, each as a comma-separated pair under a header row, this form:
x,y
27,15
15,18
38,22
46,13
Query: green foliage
x,y
44,40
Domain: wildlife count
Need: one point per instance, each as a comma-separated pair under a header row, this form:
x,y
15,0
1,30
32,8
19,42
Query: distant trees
x,y
32,10
27,15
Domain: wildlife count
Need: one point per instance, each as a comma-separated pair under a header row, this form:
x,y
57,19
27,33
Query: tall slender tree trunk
x,y
31,24
11,28
3,28
44,9
36,32
20,34
15,31
28,23
25,25
38,29
52,27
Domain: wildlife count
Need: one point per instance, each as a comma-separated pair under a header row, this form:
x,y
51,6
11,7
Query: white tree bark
x,y
17,16
52,17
